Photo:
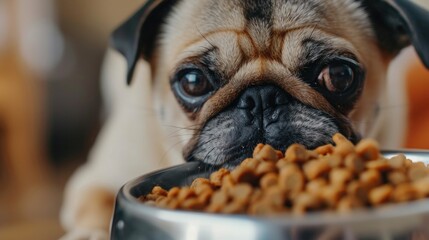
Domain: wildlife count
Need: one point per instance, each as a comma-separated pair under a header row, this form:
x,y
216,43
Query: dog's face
x,y
235,73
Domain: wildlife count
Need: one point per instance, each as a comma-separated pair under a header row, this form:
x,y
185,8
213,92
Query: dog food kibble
x,y
340,178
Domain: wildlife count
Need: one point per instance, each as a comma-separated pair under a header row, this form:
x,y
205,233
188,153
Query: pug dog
x,y
210,79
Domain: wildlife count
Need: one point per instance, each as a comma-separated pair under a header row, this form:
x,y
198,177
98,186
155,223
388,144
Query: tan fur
x,y
97,210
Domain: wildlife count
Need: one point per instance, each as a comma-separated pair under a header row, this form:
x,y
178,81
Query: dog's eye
x,y
195,83
192,86
337,77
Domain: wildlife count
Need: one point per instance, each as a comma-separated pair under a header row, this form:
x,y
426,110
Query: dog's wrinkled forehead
x,y
258,13
395,23
213,21
251,30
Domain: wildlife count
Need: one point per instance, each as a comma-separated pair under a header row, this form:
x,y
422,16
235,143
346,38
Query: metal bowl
x,y
134,220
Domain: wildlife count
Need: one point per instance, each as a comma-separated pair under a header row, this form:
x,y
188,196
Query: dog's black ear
x,y
136,36
399,23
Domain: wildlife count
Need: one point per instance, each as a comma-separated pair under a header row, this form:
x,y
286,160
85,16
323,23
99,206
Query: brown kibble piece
x,y
216,177
192,204
276,196
370,178
343,145
357,190
290,167
397,162
339,138
354,163
245,175
152,197
348,203
157,190
241,192
282,163
299,209
266,153
256,196
296,153
422,185
268,180
291,179
416,173
250,163
279,154
316,186
315,169
325,149
201,184
205,197
257,149
264,208
368,149
234,207
219,198
174,192
203,188
304,202
265,168
408,163
332,195
343,150
397,177
312,155
334,161
185,193
379,165
162,201
417,165
214,208
228,183
380,194
173,204
340,176
405,192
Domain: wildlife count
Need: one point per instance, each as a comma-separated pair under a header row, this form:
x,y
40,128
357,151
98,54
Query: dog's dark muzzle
x,y
261,114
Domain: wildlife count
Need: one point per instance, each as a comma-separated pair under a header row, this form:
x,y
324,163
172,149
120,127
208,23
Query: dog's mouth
x,y
231,156
230,136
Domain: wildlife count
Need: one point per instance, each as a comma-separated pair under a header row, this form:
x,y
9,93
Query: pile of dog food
x,y
340,178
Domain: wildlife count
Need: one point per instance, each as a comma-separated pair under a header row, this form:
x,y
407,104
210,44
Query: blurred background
x,y
51,52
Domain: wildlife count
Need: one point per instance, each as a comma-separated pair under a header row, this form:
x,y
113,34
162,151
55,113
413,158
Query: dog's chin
x,y
228,139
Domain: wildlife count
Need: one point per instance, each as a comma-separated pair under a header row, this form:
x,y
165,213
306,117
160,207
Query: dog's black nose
x,y
260,102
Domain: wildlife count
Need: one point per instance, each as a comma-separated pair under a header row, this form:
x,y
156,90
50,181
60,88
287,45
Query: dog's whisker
x,y
216,161
183,127
207,154
164,159
180,132
179,129
202,35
